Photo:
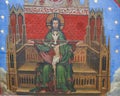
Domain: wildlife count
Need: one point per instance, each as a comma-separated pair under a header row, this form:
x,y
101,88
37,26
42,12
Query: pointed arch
x,y
20,22
103,83
99,25
11,60
13,22
104,63
13,81
92,24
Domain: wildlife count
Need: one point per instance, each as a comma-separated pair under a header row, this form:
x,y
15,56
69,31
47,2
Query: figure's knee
x,y
60,68
46,67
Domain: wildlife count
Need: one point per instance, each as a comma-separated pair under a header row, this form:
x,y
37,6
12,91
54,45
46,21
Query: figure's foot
x,y
72,90
60,92
43,91
68,92
34,90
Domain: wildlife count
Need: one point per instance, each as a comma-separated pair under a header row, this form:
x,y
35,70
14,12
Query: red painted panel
x,y
92,24
74,29
36,26
13,22
99,23
20,22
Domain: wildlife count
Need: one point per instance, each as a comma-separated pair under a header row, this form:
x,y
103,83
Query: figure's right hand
x,y
30,42
53,45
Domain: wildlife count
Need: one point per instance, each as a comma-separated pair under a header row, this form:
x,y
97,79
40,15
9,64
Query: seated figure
x,y
55,73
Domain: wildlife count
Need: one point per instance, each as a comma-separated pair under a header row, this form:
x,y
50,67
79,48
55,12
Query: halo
x,y
51,16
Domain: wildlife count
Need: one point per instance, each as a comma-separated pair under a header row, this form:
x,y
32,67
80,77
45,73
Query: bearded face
x,y
55,24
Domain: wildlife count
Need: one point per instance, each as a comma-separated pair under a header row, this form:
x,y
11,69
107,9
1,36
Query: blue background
x,y
111,29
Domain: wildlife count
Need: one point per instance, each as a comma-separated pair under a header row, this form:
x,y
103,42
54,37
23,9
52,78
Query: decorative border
x,y
48,10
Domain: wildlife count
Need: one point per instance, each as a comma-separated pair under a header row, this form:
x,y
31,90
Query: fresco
x,y
59,47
